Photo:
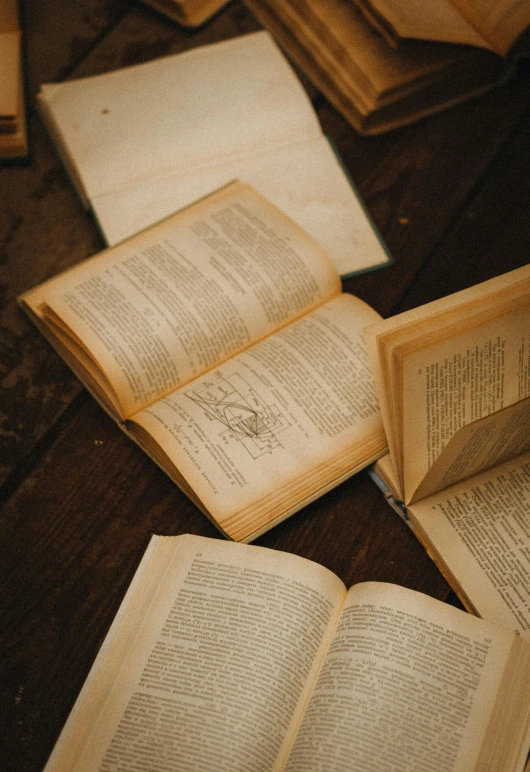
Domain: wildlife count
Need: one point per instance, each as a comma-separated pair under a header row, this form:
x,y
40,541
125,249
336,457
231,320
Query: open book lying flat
x,y
234,657
453,379
220,341
144,141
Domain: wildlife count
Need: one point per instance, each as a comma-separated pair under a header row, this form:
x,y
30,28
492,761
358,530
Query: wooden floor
x,y
451,197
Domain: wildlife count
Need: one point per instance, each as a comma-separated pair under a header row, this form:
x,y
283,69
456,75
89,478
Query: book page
x,y
141,142
500,21
187,110
447,364
156,311
207,664
443,22
480,536
407,683
289,415
477,446
455,382
303,178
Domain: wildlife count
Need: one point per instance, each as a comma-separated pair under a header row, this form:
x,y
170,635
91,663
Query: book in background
x,y
386,63
220,341
142,142
13,128
453,381
234,657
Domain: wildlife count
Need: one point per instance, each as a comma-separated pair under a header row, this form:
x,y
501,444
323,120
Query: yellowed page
x,y
408,683
303,178
479,533
442,21
477,446
500,21
183,296
472,350
208,662
454,382
292,413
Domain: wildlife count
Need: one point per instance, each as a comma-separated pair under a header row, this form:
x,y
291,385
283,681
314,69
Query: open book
x,y
144,141
453,379
13,130
234,657
496,26
221,342
378,80
190,13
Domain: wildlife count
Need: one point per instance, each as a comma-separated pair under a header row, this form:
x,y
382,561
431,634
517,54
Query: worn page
x,y
443,22
500,21
480,445
408,683
282,419
479,533
455,382
183,296
208,663
448,363
302,178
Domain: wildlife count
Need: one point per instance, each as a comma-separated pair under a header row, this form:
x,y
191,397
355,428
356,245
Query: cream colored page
x,y
219,665
407,683
480,445
452,383
480,531
157,311
179,112
501,21
303,179
442,21
298,399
